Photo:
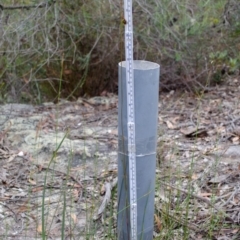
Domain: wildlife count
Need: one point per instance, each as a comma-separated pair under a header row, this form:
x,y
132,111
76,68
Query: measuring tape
x,y
130,115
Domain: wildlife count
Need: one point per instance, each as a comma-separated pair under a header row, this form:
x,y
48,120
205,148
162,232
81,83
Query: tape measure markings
x,y
131,117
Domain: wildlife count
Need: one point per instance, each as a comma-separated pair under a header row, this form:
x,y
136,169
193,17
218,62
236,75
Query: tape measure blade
x,y
131,116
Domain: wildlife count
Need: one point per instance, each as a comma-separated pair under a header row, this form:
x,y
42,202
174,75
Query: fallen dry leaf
x,y
191,132
158,224
37,189
75,194
23,208
235,140
205,194
103,190
74,217
194,177
170,125
39,228
32,181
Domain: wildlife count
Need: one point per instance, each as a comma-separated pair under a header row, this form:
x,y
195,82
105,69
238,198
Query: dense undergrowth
x,y
73,47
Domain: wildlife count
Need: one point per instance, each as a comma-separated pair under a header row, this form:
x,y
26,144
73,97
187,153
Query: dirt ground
x,y
58,162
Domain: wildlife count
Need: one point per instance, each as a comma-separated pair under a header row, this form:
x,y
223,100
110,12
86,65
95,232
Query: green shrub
x,y
78,44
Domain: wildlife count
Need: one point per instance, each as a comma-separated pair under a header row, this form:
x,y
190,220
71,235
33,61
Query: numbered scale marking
x,y
131,117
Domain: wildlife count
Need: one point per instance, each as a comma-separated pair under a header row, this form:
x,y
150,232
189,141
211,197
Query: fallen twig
x,y
202,199
108,186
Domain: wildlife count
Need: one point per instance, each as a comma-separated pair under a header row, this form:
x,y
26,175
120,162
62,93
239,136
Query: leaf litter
x,y
64,157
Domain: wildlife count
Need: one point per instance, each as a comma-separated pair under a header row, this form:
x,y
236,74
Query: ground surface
x,y
57,161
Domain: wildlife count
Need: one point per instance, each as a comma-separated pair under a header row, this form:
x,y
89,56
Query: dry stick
x,y
3,134
63,173
188,225
5,205
202,199
27,7
108,186
57,171
230,198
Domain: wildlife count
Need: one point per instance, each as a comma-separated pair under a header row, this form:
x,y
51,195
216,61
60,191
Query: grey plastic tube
x,y
146,92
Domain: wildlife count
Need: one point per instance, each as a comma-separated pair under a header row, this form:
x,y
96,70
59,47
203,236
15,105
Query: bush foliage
x,y
68,49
